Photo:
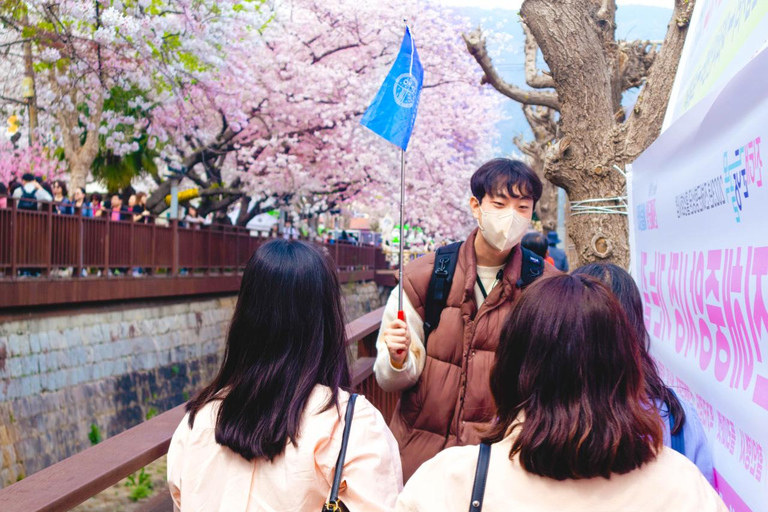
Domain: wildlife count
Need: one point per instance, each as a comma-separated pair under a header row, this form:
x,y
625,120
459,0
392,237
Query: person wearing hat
x,y
561,260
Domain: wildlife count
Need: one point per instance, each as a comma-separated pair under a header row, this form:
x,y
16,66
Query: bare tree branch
x,y
647,117
477,48
532,76
635,61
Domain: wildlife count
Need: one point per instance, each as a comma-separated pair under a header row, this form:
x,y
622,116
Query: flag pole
x,y
400,312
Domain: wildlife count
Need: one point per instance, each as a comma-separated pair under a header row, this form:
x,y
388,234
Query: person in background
x,y
537,244
290,232
142,199
274,231
192,219
133,207
445,395
575,429
79,202
97,205
30,192
3,196
62,205
686,420
558,255
266,433
116,209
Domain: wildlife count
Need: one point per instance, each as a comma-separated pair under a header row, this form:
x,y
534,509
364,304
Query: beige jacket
x,y
206,477
444,484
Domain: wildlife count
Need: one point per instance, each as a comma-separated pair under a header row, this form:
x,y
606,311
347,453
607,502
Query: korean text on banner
x,y
700,204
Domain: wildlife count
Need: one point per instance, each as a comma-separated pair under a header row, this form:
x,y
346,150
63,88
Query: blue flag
x,y
393,111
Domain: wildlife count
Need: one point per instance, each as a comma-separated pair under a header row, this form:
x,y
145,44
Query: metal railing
x,y
75,479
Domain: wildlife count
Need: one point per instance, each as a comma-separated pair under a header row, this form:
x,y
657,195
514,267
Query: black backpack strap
x,y
333,499
481,476
533,268
439,286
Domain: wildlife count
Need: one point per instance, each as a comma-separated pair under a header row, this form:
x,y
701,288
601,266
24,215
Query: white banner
x,y
699,199
723,36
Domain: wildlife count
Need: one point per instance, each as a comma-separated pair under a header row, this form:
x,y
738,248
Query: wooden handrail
x,y
167,258
77,478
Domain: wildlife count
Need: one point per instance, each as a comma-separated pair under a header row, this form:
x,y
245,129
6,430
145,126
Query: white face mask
x,y
504,229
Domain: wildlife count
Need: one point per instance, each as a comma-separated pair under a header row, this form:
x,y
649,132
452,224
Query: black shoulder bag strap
x,y
439,286
481,475
334,504
533,268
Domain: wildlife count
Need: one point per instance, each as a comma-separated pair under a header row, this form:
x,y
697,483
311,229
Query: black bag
x,y
481,476
334,504
27,201
442,278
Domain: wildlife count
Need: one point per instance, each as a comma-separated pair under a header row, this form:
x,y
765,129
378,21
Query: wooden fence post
x,y
108,223
49,252
14,242
80,241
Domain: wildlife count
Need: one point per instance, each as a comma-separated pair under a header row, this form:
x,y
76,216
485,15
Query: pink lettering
x,y
698,283
751,455
726,432
743,359
757,314
707,349
706,413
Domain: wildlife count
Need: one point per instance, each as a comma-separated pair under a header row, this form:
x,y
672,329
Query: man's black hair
x,y
536,243
27,176
504,176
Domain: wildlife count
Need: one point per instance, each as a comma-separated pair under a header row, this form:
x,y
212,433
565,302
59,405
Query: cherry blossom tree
x,y
295,137
80,52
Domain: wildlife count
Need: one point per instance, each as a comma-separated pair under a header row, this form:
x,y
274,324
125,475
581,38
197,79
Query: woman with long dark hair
x,y
266,433
679,418
575,429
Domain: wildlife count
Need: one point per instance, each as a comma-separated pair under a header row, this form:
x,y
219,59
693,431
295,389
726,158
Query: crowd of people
x,y
522,387
35,194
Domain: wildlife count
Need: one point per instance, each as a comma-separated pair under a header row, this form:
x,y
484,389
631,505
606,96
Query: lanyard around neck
x,y
499,277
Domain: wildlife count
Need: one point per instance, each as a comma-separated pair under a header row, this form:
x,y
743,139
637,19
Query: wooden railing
x,y
75,479
101,258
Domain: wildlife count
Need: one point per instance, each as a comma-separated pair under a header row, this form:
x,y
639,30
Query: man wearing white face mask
x,y
458,300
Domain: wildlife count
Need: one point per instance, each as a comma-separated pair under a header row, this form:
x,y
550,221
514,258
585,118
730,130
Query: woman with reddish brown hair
x,y
575,428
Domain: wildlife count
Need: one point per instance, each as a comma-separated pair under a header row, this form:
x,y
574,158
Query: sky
x,y
515,4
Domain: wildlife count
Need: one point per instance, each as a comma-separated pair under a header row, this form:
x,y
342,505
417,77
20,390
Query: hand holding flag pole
x,y
392,115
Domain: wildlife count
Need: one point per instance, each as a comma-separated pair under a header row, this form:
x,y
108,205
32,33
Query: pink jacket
x,y
206,477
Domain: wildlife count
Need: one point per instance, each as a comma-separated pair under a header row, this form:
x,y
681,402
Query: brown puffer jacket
x,y
452,397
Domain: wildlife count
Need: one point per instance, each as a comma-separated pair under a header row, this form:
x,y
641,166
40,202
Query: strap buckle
x,y
442,267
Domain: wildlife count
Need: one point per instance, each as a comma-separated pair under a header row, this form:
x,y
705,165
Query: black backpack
x,y
25,203
442,277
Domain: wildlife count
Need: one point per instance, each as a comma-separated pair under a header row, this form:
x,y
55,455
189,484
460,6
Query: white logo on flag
x,y
405,90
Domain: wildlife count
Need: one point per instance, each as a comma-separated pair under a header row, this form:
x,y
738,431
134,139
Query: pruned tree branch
x,y
635,61
647,117
477,48
532,75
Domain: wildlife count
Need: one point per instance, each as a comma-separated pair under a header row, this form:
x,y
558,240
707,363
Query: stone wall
x,y
67,379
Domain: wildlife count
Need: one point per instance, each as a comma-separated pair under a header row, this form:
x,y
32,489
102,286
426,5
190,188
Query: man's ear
x,y
474,205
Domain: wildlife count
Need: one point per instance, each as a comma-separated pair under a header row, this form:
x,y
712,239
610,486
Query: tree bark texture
x,y
589,71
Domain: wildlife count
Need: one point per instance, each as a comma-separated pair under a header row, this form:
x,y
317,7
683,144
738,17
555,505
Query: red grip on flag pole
x,y
400,316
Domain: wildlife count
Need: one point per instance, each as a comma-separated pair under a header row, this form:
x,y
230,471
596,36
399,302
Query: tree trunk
x,y
589,70
78,172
